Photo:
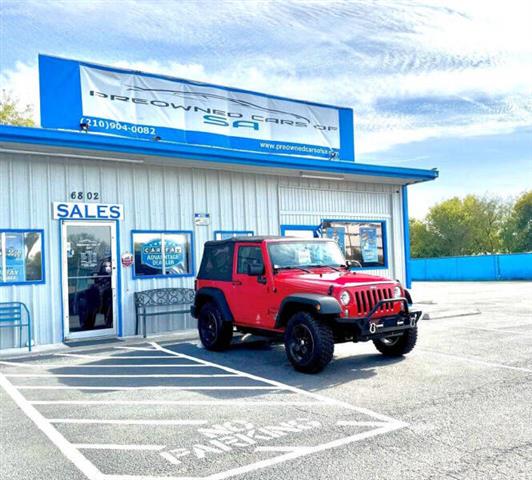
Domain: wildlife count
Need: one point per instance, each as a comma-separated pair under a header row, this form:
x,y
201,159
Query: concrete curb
x,y
449,314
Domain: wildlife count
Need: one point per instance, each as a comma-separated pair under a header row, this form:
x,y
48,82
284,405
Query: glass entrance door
x,y
89,278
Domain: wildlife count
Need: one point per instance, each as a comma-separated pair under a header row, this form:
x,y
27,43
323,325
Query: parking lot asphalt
x,y
459,406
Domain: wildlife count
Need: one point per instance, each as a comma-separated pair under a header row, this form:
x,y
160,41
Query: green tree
x,y
12,114
421,240
517,230
460,226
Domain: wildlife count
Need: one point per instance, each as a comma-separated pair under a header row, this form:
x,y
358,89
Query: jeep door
x,y
249,293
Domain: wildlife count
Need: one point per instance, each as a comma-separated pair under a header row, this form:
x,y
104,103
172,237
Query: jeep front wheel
x,y
309,343
215,334
399,345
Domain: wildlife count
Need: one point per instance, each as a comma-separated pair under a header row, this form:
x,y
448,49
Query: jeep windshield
x,y
305,254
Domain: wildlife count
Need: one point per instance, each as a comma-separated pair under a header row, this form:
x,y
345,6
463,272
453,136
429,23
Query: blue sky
x,y
444,84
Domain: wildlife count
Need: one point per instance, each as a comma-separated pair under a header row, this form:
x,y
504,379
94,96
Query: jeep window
x,y
248,256
305,254
217,263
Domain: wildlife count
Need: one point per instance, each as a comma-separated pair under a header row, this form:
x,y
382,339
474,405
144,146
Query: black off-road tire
x,y
215,334
317,352
397,346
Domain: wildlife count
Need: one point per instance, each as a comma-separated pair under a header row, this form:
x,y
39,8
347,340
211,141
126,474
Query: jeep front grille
x,y
366,299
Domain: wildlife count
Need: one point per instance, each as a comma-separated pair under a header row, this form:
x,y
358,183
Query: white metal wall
x,y
166,198
304,202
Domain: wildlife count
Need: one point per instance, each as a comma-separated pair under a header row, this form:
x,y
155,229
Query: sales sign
x,y
135,104
87,211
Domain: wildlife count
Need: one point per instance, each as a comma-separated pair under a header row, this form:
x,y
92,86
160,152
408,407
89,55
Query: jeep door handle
x,y
237,282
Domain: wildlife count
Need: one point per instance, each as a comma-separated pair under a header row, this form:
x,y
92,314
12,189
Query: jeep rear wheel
x,y
399,345
309,343
215,334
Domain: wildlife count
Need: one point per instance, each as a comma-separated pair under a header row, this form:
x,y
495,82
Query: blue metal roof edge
x,y
78,140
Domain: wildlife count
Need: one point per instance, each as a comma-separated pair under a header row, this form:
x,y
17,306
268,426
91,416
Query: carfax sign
x,y
135,104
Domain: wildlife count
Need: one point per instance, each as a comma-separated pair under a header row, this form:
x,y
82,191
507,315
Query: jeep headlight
x,y
345,298
397,292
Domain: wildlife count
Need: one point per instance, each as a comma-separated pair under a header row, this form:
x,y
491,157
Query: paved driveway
x,y
457,407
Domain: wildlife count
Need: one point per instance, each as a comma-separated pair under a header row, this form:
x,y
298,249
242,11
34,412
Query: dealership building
x,y
131,173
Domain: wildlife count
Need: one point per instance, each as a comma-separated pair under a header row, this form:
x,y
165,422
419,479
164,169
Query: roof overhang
x,y
97,147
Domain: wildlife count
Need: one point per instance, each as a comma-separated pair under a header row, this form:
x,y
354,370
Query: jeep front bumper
x,y
372,327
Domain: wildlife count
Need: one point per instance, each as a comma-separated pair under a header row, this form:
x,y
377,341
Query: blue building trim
x,y
60,257
406,235
108,143
383,222
301,228
179,275
43,256
120,327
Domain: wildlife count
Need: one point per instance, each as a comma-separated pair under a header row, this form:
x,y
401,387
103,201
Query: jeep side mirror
x,y
255,270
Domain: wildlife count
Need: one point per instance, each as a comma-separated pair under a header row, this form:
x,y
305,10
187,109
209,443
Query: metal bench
x,y
11,316
149,302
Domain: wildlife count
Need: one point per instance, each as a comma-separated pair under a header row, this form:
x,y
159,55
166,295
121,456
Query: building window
x,y
21,257
363,242
225,234
162,254
299,231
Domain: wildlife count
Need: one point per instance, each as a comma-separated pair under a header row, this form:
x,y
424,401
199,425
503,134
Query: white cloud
x,y
420,56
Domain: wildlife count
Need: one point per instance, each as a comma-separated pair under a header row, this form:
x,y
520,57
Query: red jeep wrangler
x,y
302,289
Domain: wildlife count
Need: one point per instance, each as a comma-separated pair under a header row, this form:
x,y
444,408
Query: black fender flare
x,y
321,304
211,294
408,296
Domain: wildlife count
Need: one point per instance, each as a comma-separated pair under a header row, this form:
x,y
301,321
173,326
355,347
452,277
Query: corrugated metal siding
x,y
166,198
154,197
304,202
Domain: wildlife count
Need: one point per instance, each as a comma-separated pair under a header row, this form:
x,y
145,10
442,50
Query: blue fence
x,y
516,266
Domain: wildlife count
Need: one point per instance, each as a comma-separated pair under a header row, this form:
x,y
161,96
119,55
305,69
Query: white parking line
x,y
116,375
474,360
110,446
193,403
114,357
72,451
347,423
280,385
498,330
151,387
68,450
140,349
60,365
97,421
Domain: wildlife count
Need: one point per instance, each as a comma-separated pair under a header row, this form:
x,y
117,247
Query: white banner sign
x,y
100,99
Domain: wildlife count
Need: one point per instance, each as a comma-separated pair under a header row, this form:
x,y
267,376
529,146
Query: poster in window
x,y
338,235
151,255
175,247
15,258
368,244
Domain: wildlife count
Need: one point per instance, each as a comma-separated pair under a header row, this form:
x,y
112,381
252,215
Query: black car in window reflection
x,y
92,300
